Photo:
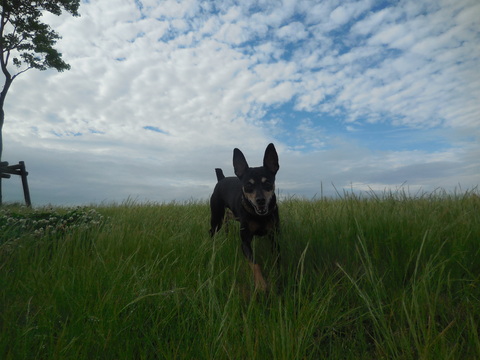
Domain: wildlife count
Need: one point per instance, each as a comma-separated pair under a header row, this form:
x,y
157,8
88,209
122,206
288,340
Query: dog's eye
x,y
267,186
248,188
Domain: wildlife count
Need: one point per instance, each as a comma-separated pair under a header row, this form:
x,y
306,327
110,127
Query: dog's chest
x,y
260,228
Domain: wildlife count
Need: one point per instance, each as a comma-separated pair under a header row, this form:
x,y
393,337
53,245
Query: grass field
x,y
383,277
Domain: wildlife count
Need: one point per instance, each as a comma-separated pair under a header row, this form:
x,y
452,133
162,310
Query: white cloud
x,y
372,22
345,13
294,31
208,80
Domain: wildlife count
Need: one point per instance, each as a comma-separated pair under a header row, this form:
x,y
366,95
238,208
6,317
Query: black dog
x,y
251,198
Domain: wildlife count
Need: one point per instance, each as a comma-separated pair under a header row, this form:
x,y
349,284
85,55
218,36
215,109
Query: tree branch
x,y
21,72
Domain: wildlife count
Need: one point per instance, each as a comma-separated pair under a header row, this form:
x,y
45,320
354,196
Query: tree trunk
x,y
3,94
2,117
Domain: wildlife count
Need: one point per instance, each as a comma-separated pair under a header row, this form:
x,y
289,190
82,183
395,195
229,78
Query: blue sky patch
x,y
155,129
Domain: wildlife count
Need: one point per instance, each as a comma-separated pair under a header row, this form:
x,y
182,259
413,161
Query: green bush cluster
x,y
20,222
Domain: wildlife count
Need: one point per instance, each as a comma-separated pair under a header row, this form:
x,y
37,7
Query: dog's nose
x,y
260,201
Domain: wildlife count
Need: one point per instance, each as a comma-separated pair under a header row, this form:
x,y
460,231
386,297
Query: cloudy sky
x,y
356,95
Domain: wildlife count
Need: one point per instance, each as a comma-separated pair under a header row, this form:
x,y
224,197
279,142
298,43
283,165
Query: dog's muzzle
x,y
259,206
260,209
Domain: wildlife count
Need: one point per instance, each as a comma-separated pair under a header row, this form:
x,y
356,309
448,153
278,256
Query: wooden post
x,y
26,191
3,164
19,169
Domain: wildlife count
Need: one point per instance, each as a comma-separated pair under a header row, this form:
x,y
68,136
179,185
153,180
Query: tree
x,y
27,43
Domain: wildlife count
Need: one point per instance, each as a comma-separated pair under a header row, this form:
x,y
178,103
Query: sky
x,y
363,96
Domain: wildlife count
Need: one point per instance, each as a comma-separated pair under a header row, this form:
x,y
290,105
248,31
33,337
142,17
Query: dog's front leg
x,y
247,238
275,246
275,235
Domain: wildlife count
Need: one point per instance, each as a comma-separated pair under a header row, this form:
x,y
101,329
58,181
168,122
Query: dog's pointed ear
x,y
270,160
240,164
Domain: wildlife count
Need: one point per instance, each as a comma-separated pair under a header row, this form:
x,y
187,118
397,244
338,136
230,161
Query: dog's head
x,y
258,183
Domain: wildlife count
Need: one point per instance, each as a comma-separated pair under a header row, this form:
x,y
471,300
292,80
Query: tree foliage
x,y
28,43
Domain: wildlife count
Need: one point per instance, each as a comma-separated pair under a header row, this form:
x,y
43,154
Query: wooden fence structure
x,y
19,169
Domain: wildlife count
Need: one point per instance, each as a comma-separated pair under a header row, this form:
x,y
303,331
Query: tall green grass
x,y
389,276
